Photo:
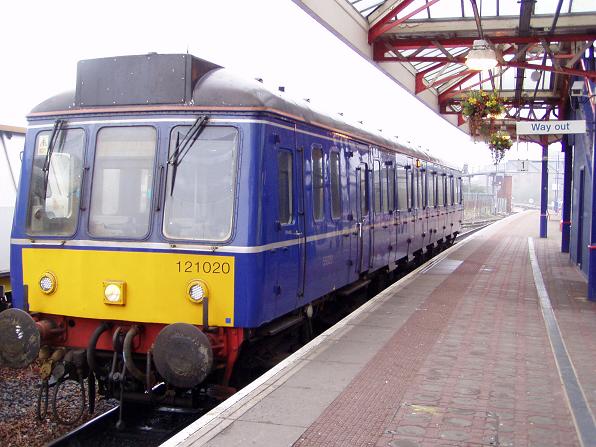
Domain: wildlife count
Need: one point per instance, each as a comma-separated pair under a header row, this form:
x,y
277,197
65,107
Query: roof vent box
x,y
143,79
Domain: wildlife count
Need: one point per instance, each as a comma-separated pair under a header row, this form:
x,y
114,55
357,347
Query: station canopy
x,y
538,47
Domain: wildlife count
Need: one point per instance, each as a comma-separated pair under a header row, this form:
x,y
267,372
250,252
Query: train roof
x,y
180,82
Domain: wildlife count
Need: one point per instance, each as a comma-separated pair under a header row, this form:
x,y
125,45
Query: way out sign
x,y
550,127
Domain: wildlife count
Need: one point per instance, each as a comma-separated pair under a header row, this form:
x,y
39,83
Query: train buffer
x,y
490,345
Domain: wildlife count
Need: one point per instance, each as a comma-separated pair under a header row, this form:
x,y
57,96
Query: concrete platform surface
x,y
490,344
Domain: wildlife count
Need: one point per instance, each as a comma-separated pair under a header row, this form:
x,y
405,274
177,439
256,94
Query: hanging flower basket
x,y
498,143
479,105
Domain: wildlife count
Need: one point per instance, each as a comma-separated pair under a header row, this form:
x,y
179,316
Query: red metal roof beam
x,y
380,28
373,32
420,84
443,94
411,44
562,70
454,76
438,59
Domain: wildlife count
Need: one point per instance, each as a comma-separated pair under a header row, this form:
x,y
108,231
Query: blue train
x,y
168,209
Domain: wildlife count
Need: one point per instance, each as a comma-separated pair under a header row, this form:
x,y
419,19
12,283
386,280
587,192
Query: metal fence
x,y
483,206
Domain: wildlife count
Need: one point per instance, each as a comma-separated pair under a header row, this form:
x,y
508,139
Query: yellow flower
x,y
472,101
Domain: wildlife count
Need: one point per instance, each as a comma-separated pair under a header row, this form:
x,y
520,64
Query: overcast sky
x,y
271,39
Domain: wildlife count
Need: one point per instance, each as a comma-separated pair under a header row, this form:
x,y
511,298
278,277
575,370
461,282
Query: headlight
x,y
197,291
47,283
114,292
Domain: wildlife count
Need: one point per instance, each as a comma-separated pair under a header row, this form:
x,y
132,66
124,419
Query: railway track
x,y
473,229
149,426
143,426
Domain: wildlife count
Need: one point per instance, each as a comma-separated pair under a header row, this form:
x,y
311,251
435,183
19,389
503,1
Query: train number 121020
x,y
203,267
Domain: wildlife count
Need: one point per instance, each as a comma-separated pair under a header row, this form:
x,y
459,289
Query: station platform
x,y
492,343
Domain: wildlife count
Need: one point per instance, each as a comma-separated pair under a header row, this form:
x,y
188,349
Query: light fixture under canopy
x,y
481,57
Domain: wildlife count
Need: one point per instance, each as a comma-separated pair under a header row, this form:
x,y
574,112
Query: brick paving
x,y
473,365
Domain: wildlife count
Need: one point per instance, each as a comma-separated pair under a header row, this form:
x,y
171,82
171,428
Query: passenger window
x,y
423,182
441,190
390,188
403,202
318,192
334,167
377,186
353,179
419,191
363,192
450,190
122,182
384,201
414,178
284,186
432,190
460,199
410,187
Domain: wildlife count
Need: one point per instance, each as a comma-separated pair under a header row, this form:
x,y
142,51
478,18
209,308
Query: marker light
x,y
114,292
47,283
197,291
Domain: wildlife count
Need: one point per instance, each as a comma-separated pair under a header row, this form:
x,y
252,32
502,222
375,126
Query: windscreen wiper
x,y
182,147
58,127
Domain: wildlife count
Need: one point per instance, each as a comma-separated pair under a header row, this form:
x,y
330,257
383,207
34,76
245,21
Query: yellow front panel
x,y
156,285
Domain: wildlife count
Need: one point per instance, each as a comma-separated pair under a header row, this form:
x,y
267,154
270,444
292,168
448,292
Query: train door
x,y
411,216
300,183
300,217
363,218
286,259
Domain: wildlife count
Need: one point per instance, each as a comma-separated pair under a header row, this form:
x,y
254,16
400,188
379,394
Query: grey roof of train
x,y
222,88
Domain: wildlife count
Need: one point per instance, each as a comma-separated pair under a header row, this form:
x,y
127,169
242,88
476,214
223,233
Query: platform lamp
x,y
481,57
